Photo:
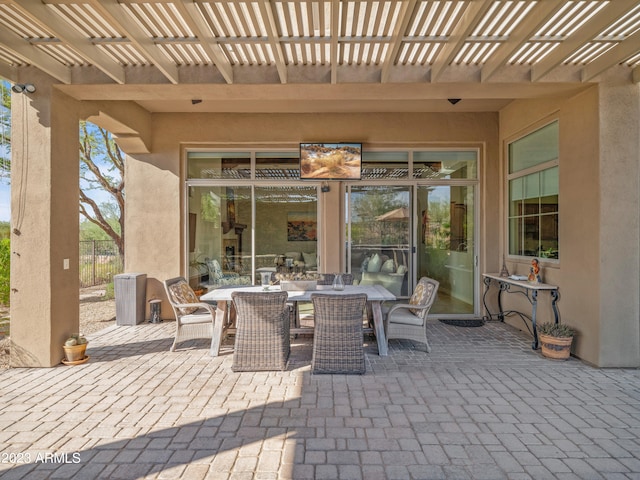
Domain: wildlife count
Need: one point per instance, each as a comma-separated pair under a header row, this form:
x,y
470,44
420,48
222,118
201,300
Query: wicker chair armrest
x,y
207,306
398,306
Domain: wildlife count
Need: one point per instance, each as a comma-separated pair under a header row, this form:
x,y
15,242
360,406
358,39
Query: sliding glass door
x,y
445,250
379,234
412,214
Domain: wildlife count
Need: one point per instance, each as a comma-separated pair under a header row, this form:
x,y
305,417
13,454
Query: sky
x,y
5,202
5,188
5,191
5,195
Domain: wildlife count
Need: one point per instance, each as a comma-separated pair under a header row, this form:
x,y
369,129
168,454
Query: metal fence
x,y
99,262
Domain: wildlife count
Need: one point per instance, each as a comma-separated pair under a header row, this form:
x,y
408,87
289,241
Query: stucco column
x,y
619,223
44,221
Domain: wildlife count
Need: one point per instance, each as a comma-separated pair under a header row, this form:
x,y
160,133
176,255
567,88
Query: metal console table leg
x,y
530,291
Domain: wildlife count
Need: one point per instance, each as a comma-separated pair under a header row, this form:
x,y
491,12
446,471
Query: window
x,y
533,194
384,165
226,165
445,164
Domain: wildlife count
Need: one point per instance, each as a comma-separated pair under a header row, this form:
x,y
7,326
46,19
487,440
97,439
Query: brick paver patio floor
x,y
481,405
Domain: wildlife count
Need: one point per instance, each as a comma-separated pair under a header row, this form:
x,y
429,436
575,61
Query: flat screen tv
x,y
330,161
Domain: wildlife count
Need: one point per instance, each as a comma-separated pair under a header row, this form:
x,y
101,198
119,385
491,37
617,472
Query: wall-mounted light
x,y
453,101
24,88
325,187
196,101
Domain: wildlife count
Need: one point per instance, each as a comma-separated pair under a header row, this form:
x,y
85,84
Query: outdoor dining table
x,y
376,294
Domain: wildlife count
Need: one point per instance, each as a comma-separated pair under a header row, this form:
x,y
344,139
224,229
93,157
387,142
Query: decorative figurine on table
x,y
505,271
534,272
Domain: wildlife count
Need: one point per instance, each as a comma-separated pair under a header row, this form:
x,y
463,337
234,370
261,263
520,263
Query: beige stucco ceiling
x,y
304,98
324,55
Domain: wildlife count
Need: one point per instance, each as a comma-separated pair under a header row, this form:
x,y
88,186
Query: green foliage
x,y
90,275
109,293
369,203
5,230
439,227
75,339
559,330
210,206
5,270
102,170
91,231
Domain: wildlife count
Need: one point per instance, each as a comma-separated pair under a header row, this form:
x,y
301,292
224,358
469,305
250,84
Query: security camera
x,y
23,87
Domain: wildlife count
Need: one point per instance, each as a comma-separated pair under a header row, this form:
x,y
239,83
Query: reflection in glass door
x,y
219,236
445,250
286,229
236,233
379,234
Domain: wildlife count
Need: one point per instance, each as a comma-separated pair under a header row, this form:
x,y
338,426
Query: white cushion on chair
x,y
195,318
404,316
375,263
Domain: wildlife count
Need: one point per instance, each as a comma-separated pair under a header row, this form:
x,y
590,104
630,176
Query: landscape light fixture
x,y
24,88
453,101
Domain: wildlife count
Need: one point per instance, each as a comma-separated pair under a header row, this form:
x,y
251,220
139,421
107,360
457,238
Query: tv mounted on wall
x,y
330,161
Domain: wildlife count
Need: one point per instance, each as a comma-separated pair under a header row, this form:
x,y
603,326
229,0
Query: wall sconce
x,y
24,88
324,187
453,101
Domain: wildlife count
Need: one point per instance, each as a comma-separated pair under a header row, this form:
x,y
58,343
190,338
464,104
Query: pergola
x,y
120,62
486,52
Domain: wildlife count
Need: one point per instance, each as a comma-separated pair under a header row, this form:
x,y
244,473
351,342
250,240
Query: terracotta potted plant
x,y
75,348
555,340
200,290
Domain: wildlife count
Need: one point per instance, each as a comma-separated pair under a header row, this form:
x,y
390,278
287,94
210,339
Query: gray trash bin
x,y
130,291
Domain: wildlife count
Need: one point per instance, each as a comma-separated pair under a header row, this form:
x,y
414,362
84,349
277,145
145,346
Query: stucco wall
x,y
44,211
155,244
598,188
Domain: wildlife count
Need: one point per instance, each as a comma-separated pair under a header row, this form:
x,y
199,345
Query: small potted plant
x,y
555,340
75,348
200,290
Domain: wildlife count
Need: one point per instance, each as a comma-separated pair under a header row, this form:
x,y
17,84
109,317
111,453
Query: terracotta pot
x,y
74,353
555,347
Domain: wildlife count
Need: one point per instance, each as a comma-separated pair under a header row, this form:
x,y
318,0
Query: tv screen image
x,y
330,161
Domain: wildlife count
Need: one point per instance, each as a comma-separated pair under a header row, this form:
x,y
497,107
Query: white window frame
x,y
523,173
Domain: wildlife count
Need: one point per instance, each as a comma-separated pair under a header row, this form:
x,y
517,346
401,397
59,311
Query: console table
x,y
525,288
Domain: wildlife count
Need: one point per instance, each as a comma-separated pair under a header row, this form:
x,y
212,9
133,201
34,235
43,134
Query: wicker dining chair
x,y
194,319
409,320
262,331
337,337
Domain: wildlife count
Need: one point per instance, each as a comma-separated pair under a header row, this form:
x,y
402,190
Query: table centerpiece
x,y
297,281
